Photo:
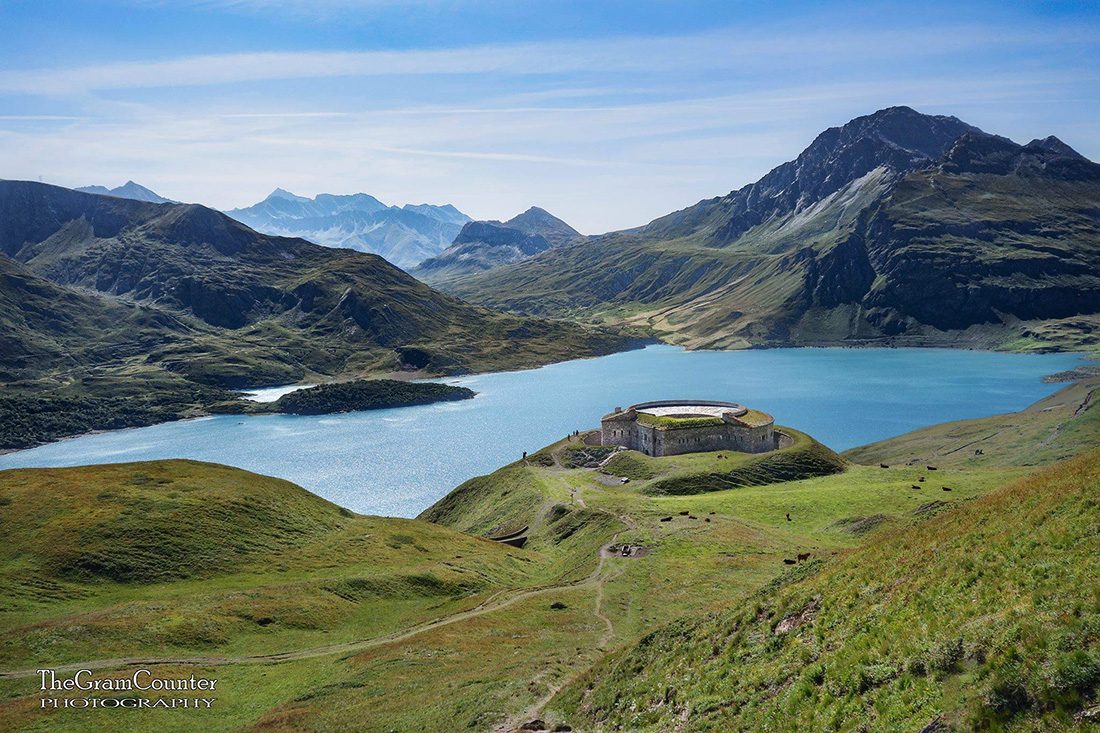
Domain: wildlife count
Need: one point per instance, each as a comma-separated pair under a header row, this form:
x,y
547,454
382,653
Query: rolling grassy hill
x,y
184,558
974,605
1061,426
896,229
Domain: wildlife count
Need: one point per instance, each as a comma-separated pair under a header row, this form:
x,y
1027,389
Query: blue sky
x,y
606,113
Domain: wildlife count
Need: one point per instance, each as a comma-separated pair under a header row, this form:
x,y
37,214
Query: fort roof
x,y
659,413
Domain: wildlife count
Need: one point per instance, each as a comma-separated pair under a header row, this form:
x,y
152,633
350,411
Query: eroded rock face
x,y
898,139
897,227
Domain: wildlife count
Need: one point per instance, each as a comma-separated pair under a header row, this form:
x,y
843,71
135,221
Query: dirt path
x,y
495,602
512,723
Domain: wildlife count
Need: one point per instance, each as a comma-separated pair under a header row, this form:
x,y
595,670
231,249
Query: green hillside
x,y
984,617
1063,425
329,310
900,600
185,558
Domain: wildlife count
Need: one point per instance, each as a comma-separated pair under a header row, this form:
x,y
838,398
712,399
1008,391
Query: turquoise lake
x,y
397,462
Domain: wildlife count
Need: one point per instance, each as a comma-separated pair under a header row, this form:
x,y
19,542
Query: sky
x,y
606,113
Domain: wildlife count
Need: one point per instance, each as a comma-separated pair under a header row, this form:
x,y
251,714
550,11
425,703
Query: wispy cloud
x,y
42,118
606,132
279,115
729,50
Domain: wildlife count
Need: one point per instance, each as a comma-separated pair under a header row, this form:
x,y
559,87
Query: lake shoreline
x,y
394,462
1064,377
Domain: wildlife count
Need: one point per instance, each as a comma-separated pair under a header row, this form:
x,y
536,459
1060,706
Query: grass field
x,y
314,618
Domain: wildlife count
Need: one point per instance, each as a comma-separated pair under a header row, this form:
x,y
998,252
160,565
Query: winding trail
x,y
513,723
495,602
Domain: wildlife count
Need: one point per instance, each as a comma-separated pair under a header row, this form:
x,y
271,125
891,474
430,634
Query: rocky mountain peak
x,y
281,193
896,140
1054,145
541,222
128,190
991,154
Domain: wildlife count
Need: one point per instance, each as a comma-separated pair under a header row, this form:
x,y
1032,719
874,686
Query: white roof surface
x,y
686,410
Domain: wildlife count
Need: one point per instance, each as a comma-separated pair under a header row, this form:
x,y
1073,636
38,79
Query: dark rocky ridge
x,y
898,139
897,227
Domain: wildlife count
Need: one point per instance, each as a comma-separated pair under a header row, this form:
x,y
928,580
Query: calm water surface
x,y
397,462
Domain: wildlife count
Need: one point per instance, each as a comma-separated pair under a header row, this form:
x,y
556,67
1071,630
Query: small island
x,y
366,394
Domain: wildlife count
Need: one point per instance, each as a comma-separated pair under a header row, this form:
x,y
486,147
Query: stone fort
x,y
672,427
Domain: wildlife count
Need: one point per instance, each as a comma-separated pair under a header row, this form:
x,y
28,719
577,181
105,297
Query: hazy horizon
x,y
607,115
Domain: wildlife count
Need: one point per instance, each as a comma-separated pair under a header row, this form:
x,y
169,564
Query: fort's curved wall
x,y
622,428
733,407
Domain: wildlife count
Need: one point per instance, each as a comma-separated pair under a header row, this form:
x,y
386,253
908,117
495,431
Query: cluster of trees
x,y
29,420
367,394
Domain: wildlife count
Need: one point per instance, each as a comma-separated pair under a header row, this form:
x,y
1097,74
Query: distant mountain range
x,y
128,190
896,228
404,235
485,245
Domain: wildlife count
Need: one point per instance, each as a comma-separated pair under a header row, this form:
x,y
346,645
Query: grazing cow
x,y
788,561
803,556
916,487
788,516
883,465
932,468
947,488
707,519
921,479
684,513
666,519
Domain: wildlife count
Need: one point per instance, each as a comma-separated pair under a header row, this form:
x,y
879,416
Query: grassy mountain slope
x,y
182,557
897,228
1061,426
332,309
313,618
714,550
44,326
984,617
